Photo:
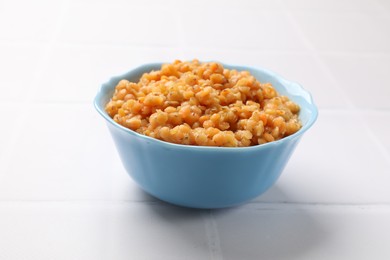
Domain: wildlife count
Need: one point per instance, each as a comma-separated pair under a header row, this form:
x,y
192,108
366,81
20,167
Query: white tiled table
x,y
64,193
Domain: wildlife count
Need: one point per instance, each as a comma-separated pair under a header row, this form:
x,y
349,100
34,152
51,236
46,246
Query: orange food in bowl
x,y
203,104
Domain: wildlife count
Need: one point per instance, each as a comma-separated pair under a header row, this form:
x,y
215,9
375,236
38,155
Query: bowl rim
x,y
311,106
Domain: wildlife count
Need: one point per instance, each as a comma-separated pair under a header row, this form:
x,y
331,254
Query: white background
x,y
64,193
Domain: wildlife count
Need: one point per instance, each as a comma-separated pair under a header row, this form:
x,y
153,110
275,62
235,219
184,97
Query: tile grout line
x,y
356,54
212,234
305,206
182,47
355,111
92,44
314,53
41,66
251,204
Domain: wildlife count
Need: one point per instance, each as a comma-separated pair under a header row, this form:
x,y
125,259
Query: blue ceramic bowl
x,y
205,177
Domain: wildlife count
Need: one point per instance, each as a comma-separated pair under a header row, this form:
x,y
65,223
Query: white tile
x,y
118,24
364,78
158,232
28,21
218,5
345,31
64,152
75,73
336,162
101,231
10,114
365,6
18,66
385,4
304,233
126,4
51,232
378,122
172,4
239,28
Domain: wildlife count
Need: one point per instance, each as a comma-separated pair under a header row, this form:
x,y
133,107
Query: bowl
x,y
200,176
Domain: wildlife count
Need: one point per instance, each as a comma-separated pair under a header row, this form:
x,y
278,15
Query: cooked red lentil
x,y
195,103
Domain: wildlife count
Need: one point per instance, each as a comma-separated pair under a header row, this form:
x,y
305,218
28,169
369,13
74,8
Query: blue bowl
x,y
205,177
